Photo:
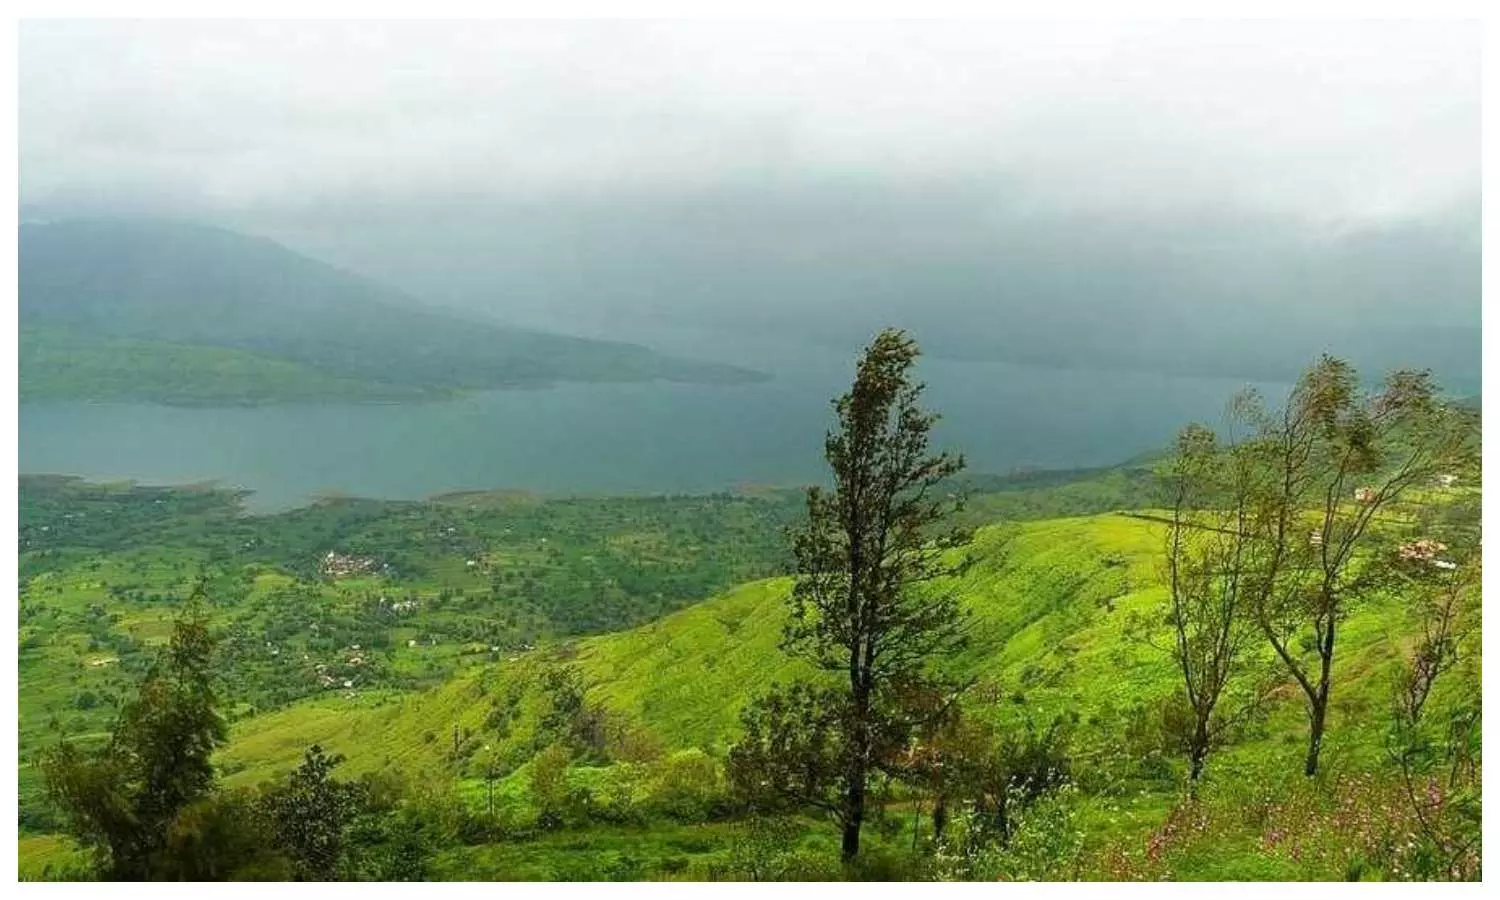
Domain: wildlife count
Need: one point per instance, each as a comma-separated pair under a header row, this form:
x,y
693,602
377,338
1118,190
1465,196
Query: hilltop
x,y
189,314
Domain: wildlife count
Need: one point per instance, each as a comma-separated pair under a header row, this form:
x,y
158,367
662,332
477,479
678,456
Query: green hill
x,y
145,310
1053,605
1051,601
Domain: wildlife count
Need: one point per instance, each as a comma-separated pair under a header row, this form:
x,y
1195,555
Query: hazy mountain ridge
x,y
206,287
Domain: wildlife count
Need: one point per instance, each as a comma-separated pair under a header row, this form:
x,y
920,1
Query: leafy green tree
x,y
863,606
393,845
121,799
586,728
310,813
1000,775
792,753
221,837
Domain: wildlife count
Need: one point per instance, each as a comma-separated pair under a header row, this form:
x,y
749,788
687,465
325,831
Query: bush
x,y
614,794
1044,843
765,849
222,838
688,786
556,801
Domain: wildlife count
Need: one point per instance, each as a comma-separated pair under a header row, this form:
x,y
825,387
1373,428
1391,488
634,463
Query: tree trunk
x,y
854,788
1320,705
1315,733
854,818
1198,751
859,756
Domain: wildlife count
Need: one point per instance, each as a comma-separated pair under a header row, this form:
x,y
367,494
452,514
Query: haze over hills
x,y
120,309
1193,199
968,267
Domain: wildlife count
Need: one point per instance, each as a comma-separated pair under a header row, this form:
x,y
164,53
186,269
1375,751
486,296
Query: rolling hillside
x,y
1051,603
190,314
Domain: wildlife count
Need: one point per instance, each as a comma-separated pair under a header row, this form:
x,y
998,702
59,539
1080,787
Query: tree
x,y
584,727
221,837
121,800
310,813
1439,760
1210,559
1338,468
792,753
863,605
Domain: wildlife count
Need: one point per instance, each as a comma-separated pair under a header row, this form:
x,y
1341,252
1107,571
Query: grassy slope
x,y
104,569
1050,599
103,566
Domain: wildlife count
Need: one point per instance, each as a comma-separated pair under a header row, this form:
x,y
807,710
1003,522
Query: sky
x,y
1002,186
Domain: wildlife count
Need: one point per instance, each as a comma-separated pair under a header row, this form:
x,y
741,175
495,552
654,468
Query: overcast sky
x,y
522,166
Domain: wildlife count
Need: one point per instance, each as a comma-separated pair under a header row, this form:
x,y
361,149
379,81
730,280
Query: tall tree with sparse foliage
x,y
1210,563
1343,471
863,606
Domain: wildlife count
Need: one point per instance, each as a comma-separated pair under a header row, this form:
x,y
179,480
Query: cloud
x,y
1241,193
1319,122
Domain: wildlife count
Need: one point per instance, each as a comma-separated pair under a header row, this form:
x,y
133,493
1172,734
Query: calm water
x,y
608,438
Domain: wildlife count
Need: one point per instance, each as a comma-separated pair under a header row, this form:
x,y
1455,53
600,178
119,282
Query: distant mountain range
x,y
180,313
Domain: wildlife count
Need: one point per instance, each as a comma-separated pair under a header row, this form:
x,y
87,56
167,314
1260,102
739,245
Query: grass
x,y
48,857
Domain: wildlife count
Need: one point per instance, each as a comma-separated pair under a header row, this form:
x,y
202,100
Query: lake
x,y
631,438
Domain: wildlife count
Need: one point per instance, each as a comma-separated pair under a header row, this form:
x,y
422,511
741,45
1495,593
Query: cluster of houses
x,y
344,565
1422,550
330,679
1426,550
